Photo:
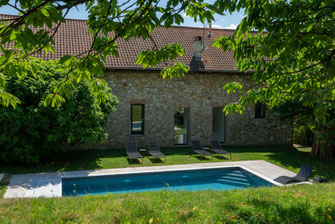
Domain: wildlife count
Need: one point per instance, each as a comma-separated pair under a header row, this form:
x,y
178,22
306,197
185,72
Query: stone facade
x,y
198,91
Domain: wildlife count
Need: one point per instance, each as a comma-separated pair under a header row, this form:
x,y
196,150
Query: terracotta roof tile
x,y
73,38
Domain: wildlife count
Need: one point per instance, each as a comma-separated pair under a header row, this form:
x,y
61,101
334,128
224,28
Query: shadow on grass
x,y
275,212
265,209
202,158
84,160
220,157
3,187
157,160
288,157
322,167
293,158
134,161
176,151
67,160
249,149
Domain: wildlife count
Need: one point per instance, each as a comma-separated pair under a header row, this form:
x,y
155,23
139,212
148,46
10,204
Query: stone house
x,y
175,111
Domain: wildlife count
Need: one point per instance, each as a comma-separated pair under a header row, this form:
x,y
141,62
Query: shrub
x,y
33,129
302,135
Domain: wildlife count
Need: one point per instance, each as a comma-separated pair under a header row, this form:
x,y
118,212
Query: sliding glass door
x,y
181,119
219,124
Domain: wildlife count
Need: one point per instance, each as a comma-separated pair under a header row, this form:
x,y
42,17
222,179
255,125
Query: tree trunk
x,y
325,150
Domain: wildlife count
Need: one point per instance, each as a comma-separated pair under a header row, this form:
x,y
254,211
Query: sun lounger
x,y
303,175
154,150
197,148
132,151
216,147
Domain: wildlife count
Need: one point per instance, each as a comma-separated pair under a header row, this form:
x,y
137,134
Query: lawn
x,y
298,204
3,187
288,157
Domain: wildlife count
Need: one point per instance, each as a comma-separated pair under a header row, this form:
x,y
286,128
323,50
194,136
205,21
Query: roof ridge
x,y
173,26
73,39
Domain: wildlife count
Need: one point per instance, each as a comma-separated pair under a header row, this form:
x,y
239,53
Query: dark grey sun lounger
x,y
154,150
303,175
197,148
216,147
132,151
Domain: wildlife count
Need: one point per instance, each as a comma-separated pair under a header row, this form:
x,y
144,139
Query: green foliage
x,y
108,20
260,205
302,135
292,54
233,87
152,58
44,122
47,106
176,70
302,118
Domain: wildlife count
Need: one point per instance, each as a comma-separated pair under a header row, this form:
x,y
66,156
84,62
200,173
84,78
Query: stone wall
x,y
198,91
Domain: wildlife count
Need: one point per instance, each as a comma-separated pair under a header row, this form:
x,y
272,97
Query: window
x,y
260,110
181,117
219,124
137,119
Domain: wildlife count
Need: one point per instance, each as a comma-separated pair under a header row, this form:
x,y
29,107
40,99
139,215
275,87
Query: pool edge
x,y
48,184
252,172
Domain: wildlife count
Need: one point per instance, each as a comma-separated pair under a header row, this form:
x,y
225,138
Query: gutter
x,y
191,71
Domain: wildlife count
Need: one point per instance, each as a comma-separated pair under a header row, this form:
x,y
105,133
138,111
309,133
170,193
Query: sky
x,y
228,21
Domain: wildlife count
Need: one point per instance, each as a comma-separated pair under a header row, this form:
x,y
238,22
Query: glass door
x,y
180,129
219,124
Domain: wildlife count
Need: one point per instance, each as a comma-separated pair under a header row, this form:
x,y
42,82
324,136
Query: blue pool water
x,y
205,179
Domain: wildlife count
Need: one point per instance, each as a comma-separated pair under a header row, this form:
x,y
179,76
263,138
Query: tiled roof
x,y
73,38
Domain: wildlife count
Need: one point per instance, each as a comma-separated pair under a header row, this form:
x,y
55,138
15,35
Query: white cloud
x,y
186,16
216,26
231,26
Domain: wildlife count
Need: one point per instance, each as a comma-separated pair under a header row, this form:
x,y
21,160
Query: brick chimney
x,y
197,48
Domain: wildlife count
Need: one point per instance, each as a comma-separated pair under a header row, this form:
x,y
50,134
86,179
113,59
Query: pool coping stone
x,y
50,184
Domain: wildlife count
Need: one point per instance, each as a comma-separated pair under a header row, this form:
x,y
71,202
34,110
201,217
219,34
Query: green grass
x,y
3,187
288,157
298,204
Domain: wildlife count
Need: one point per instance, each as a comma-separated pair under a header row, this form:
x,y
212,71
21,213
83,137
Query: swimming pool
x,y
188,180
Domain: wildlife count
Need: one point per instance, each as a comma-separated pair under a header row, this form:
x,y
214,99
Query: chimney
x,y
210,31
197,48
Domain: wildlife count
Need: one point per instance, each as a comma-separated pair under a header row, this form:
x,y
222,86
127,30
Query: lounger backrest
x,y
305,172
131,147
153,146
196,144
215,144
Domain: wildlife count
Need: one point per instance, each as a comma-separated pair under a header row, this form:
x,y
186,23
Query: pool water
x,y
191,180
